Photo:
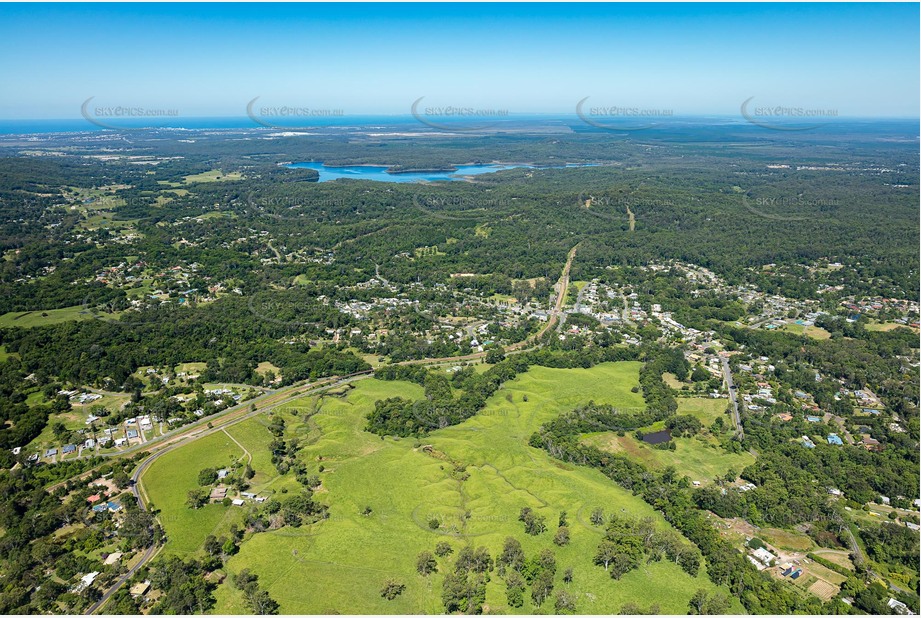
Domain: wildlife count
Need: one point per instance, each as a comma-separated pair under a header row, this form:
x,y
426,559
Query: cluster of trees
x,y
534,523
792,484
464,585
439,408
257,598
225,333
463,588
684,425
185,587
892,543
659,397
629,541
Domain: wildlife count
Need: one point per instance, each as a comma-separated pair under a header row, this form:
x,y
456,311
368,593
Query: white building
x,y
763,556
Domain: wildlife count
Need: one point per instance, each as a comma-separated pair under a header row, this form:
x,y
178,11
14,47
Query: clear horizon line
x,y
409,115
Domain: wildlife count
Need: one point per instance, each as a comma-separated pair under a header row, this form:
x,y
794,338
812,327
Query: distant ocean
x,y
692,127
71,125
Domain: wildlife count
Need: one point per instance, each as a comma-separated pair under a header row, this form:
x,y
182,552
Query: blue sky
x,y
692,59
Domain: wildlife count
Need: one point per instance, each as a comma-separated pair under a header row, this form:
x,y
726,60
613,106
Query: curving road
x,y
183,439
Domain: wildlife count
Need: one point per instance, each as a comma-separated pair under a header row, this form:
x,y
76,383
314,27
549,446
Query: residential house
x,y
112,558
140,589
86,581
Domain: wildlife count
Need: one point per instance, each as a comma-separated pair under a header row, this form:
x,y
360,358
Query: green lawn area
x,y
213,215
212,176
816,332
784,539
839,557
28,319
699,458
886,326
265,366
706,409
167,483
673,381
340,563
191,367
3,353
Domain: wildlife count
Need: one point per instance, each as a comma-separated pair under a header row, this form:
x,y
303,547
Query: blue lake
x,y
379,173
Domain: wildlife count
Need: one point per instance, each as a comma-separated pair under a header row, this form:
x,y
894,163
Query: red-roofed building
x,y
94,498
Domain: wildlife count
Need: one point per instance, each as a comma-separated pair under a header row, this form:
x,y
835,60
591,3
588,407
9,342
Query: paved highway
x,y
183,439
731,387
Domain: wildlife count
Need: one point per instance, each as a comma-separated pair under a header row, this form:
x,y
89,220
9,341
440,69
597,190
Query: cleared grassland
x,y
339,565
839,557
706,409
29,319
887,326
212,176
783,539
699,458
816,332
167,483
673,381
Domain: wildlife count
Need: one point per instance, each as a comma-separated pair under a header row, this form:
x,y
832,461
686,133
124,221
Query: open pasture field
x,y
212,176
29,319
472,479
700,458
706,409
